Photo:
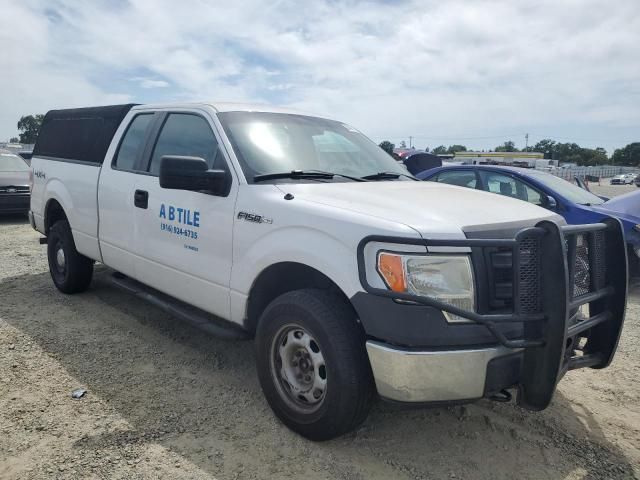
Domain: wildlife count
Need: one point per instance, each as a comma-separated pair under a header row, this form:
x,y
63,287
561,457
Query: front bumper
x,y
14,203
529,343
413,376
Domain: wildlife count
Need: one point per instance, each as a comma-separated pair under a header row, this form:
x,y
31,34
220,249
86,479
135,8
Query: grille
x,y
581,270
599,262
502,276
529,290
501,280
589,265
12,189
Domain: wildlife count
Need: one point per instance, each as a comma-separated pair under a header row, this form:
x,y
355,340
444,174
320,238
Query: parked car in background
x,y
576,205
624,179
404,152
14,184
627,208
637,180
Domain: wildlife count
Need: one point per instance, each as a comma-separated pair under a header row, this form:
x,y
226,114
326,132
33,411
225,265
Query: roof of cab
x,y
508,168
226,107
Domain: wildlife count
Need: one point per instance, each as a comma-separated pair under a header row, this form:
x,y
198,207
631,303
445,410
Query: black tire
x,y
634,264
330,321
71,274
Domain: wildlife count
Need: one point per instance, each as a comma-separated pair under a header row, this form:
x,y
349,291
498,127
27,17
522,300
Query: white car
x,y
355,279
624,179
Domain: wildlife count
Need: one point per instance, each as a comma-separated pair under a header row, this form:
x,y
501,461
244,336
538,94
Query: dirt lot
x,y
164,400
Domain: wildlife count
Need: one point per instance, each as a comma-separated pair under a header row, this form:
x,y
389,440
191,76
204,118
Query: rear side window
x,y
186,135
461,178
511,187
132,142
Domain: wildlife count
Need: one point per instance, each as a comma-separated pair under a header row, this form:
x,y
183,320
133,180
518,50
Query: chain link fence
x,y
592,173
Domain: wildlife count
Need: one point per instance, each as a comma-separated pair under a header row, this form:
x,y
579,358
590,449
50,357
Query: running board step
x,y
188,313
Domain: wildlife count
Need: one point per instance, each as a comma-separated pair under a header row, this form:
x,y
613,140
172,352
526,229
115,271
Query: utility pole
x,y
526,142
410,141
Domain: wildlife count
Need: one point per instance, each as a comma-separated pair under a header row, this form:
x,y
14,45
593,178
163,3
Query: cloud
x,y
439,71
150,82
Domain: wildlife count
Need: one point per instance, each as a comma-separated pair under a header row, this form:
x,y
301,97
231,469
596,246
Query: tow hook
x,y
503,396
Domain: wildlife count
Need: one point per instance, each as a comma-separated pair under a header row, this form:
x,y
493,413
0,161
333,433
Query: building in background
x,y
516,159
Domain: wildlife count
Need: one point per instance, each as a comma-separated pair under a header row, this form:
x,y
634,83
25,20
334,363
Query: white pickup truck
x,y
356,280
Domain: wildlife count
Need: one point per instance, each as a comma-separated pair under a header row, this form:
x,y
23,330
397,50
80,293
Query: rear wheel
x,y
71,271
312,364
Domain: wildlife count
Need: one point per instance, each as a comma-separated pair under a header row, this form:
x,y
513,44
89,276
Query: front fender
x,y
308,246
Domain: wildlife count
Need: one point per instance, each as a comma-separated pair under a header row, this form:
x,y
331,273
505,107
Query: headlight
x,y
446,278
636,228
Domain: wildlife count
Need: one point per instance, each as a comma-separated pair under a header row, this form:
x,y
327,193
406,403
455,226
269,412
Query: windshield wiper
x,y
388,176
304,174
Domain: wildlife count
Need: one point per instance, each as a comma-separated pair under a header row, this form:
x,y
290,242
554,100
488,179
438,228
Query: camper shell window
x,y
79,134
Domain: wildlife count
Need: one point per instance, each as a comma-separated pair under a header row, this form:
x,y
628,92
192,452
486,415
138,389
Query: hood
x,y
627,203
15,179
428,207
626,207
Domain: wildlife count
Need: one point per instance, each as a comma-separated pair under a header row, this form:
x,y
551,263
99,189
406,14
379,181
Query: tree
x,y
628,155
29,126
387,146
14,140
506,147
545,146
597,156
456,148
571,152
439,150
403,144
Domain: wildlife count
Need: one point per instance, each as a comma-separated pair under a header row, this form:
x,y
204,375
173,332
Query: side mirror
x,y
551,203
191,173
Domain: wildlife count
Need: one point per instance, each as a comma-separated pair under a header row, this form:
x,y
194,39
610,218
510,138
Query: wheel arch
x,y
53,212
282,277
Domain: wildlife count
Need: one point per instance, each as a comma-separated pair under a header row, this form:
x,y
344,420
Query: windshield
x,y
12,163
568,190
275,143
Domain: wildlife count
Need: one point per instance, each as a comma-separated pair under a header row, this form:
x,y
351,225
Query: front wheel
x,y
312,363
71,271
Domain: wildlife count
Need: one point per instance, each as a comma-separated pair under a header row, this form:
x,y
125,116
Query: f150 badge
x,y
252,217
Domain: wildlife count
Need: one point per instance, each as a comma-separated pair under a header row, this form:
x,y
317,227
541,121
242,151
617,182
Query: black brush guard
x,y
555,270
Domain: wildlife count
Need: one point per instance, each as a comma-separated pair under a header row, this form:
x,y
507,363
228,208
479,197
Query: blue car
x,y
575,204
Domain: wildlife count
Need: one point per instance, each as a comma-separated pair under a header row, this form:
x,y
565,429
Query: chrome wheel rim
x,y
298,368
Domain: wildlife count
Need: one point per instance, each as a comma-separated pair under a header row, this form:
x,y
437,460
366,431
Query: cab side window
x,y
190,136
461,178
511,187
132,142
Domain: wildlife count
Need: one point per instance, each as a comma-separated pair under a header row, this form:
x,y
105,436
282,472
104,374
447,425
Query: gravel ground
x,y
166,401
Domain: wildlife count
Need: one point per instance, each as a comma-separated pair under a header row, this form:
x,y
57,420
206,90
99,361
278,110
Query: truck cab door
x,y
116,186
183,238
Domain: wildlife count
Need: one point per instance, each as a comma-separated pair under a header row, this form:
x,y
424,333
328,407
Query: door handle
x,y
141,199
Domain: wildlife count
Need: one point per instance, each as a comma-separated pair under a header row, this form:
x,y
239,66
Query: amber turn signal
x,y
391,268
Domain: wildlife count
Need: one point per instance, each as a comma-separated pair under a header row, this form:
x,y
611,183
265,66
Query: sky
x,y
471,72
